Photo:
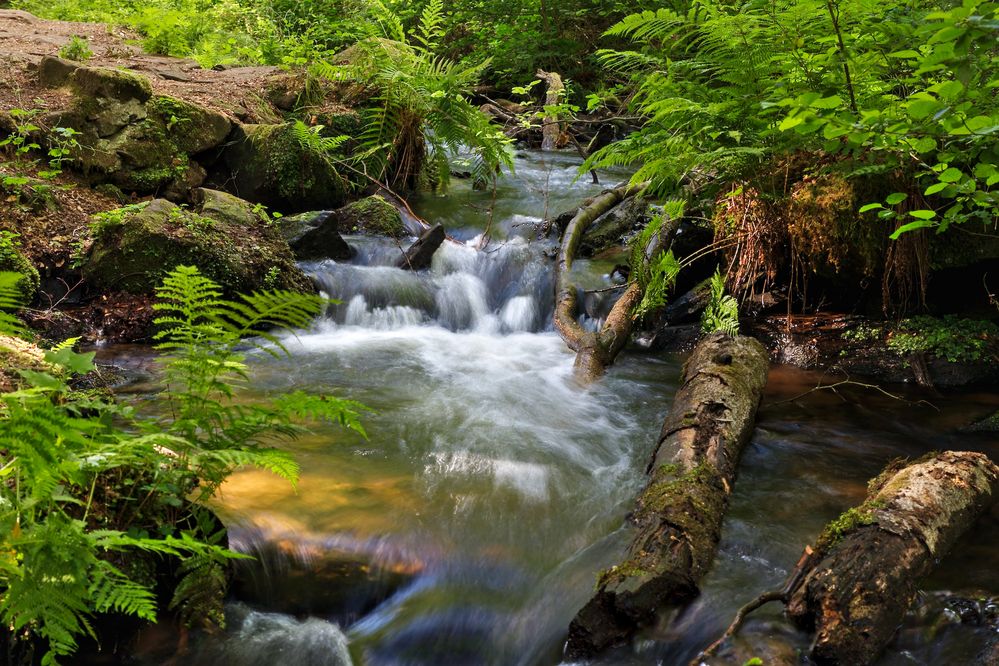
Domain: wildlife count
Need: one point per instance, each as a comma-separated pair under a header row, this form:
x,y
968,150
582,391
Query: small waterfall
x,y
503,290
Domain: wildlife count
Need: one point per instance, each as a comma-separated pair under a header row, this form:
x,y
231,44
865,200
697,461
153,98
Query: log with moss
x,y
861,578
678,517
873,559
595,350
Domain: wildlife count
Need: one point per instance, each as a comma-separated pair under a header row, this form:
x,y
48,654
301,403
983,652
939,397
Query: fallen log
x,y
678,515
421,253
856,595
857,585
595,350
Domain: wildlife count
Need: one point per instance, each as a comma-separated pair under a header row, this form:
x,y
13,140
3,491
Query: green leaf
x,y
951,175
911,226
936,187
871,206
827,102
895,198
924,145
921,108
923,214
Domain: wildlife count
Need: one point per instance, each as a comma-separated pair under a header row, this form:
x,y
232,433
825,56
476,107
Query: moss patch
x,y
371,215
133,248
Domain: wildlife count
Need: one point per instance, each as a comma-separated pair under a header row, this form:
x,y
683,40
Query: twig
x,y
850,382
782,595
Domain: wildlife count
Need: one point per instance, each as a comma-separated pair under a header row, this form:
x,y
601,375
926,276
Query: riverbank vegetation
x,y
811,158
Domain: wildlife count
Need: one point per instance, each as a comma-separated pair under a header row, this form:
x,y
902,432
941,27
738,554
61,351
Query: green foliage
x,y
421,108
722,311
655,274
12,259
885,86
109,219
77,48
952,338
956,339
86,484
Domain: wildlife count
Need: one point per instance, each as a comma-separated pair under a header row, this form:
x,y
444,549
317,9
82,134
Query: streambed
x,y
469,527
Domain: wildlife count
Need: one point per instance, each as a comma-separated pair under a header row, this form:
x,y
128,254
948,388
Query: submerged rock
x,y
421,253
134,247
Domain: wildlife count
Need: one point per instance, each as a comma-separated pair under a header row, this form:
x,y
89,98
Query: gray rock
x,y
315,235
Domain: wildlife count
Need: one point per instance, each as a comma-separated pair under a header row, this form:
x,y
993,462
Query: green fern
x,y
10,301
722,313
421,116
655,274
86,484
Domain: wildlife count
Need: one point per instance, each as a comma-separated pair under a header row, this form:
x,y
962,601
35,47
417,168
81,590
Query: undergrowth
x,y
89,487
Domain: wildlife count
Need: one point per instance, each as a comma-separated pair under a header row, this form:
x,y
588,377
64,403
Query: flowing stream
x,y
468,528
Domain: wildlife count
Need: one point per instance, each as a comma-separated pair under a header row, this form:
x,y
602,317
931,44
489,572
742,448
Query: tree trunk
x,y
679,513
596,350
857,594
551,131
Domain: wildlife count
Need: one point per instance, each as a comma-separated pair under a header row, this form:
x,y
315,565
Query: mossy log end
x,y
596,350
856,595
678,515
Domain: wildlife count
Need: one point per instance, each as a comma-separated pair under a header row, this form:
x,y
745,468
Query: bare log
x,y
857,594
551,131
595,350
678,515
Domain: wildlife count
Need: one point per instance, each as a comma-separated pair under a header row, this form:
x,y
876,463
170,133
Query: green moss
x,y
107,83
627,569
847,522
14,261
372,215
669,487
134,247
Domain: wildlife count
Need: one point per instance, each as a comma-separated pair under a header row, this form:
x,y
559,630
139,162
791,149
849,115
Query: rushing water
x,y
470,525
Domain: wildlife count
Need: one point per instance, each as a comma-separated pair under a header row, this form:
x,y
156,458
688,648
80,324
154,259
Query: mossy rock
x,y
267,164
135,247
14,261
371,215
189,128
107,83
134,140
315,235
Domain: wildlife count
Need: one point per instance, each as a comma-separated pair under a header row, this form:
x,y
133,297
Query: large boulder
x,y
268,164
134,247
138,141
